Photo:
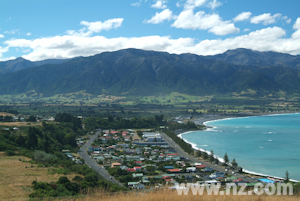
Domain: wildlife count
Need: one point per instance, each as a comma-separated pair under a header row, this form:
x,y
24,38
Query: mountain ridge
x,y
141,72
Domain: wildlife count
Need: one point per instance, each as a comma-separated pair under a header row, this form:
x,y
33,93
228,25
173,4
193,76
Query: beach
x,y
204,121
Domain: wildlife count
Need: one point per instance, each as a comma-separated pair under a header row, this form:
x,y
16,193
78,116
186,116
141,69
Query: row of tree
x,y
92,123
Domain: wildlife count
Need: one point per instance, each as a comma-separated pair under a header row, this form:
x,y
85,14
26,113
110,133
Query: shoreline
x,y
204,121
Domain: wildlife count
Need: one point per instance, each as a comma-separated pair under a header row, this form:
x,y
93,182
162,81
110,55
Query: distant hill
x,y
20,63
140,72
254,58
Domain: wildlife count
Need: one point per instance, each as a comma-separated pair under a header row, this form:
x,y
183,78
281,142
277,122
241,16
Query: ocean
x,y
268,145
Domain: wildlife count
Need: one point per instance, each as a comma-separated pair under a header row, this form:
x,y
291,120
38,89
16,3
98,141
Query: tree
x,y
211,157
226,159
286,177
205,155
198,153
46,144
31,119
32,140
234,163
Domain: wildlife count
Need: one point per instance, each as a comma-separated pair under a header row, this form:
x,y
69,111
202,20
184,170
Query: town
x,y
149,159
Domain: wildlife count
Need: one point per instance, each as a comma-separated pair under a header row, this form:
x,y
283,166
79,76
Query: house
x,y
208,170
138,162
151,144
168,167
124,167
138,186
229,179
200,166
134,175
217,175
132,183
145,179
94,148
99,158
116,165
138,168
191,169
173,170
131,170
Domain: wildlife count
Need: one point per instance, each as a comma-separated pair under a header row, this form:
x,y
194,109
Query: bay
x,y
264,144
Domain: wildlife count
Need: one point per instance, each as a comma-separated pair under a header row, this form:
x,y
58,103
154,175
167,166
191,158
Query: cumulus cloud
x,y
28,34
265,18
160,17
96,27
69,46
287,20
3,50
211,22
297,24
160,4
242,16
137,4
214,4
191,4
1,36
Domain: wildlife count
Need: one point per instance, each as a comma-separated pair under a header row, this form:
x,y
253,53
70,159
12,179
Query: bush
x,y
42,156
10,153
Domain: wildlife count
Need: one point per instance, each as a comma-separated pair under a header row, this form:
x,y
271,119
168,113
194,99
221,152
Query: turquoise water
x,y
264,144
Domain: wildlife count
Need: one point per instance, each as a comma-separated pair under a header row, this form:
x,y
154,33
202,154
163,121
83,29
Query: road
x,y
93,164
181,153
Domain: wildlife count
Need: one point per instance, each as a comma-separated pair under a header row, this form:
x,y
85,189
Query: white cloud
x,y
242,16
265,18
161,17
160,4
287,20
1,36
12,31
246,30
28,34
3,50
178,4
191,4
211,22
297,24
96,27
69,46
137,4
214,4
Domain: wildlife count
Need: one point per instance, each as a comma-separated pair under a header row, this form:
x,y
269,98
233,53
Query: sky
x,y
55,29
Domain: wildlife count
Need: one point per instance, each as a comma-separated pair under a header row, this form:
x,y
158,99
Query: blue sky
x,y
47,29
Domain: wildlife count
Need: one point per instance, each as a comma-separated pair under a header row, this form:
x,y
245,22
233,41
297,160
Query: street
x,y
93,164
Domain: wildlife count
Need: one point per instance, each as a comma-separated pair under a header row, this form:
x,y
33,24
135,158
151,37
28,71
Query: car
x,y
110,177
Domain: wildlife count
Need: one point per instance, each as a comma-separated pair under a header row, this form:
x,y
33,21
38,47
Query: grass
x,y
20,124
166,195
16,179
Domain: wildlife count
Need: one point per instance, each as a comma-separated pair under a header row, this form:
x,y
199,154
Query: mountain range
x,y
141,72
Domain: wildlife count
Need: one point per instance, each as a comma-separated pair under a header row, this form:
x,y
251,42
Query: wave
x,y
194,146
265,175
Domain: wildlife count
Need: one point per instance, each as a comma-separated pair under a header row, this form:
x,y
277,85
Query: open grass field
x,y
16,179
172,104
168,195
20,124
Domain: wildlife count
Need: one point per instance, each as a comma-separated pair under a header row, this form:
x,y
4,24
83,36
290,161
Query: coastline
x,y
204,121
